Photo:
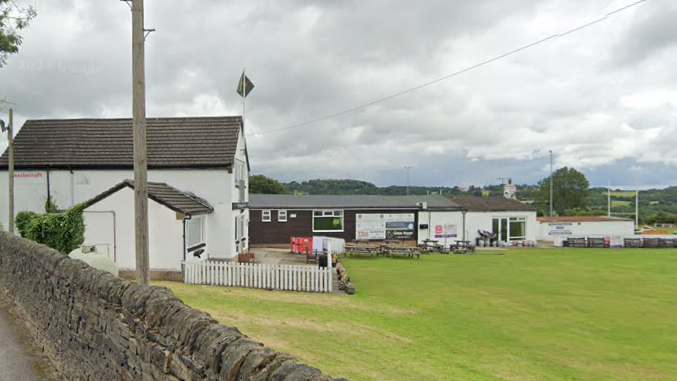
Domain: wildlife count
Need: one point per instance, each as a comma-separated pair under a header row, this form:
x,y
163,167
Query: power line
x,y
457,73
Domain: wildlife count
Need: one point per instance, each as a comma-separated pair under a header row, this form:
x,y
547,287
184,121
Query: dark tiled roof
x,y
278,201
174,199
108,143
581,219
492,204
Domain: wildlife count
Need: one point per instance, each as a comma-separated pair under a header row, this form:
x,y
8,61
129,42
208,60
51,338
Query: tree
x,y
570,191
260,184
12,19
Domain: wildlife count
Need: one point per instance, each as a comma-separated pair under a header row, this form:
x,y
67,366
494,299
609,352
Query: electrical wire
x,y
457,73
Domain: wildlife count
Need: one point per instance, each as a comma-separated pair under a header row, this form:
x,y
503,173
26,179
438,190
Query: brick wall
x,y
94,326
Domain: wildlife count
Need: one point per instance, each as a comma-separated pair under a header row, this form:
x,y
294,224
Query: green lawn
x,y
619,203
531,314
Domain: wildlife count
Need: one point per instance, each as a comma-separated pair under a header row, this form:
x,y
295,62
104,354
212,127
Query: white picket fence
x,y
257,275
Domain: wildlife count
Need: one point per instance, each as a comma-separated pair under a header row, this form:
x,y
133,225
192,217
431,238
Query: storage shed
x,y
176,222
558,229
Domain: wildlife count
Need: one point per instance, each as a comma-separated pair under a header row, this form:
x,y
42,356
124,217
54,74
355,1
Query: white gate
x,y
256,275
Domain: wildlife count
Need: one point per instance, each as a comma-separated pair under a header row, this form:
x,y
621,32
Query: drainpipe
x,y
184,236
463,212
72,186
49,197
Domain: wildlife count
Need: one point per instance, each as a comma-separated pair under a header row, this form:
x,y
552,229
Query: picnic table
x,y
404,250
462,247
431,245
362,249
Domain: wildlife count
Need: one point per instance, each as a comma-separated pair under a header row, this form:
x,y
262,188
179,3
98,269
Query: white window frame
x,y
266,215
239,171
189,227
329,213
280,214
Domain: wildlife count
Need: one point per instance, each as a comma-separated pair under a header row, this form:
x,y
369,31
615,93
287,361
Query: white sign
x,y
384,226
563,228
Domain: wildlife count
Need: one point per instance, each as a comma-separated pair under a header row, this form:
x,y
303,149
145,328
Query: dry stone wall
x,y
94,326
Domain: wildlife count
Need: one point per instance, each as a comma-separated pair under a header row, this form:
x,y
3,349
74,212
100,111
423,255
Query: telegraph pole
x,y
10,149
140,157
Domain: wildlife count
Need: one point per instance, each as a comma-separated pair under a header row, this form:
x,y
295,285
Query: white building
x,y
176,226
558,229
72,161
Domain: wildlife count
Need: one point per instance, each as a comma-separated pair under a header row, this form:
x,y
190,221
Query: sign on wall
x,y
561,228
446,231
384,226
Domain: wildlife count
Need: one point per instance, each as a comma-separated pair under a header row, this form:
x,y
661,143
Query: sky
x,y
602,99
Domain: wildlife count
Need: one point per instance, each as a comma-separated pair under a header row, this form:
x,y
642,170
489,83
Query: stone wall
x,y
94,326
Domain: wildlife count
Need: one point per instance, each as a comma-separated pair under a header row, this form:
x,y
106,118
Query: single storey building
x,y
276,218
177,222
558,229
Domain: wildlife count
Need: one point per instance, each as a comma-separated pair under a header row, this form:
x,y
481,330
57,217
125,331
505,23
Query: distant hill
x,y
656,205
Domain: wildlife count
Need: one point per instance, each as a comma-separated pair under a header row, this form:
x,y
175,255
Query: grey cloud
x,y
652,31
309,59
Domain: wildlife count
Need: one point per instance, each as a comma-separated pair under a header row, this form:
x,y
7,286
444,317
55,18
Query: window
x,y
239,170
240,237
282,216
265,215
240,176
194,232
510,228
518,228
328,221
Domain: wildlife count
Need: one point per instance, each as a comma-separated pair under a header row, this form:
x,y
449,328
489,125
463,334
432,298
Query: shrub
x,y
60,231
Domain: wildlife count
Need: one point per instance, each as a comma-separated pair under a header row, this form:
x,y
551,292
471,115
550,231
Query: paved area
x,y
280,257
16,364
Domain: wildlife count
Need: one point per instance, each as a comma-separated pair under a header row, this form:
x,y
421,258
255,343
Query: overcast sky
x,y
604,99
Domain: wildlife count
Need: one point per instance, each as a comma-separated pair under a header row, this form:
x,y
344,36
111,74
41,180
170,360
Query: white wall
x,y
559,231
67,188
241,157
433,219
215,186
164,230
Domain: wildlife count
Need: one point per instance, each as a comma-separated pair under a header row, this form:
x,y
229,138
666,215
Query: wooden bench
x,y
363,249
462,247
401,250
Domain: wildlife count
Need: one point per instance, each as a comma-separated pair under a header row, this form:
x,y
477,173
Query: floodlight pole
x,y
407,168
551,184
10,149
636,209
140,156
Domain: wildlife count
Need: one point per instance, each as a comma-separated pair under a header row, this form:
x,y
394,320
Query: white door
x,y
100,231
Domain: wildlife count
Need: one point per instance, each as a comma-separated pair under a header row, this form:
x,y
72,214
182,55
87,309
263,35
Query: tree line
x,y
572,195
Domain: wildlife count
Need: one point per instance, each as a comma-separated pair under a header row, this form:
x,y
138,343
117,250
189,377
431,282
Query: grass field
x,y
622,193
619,203
531,314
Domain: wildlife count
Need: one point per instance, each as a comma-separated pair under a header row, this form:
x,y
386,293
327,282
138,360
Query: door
x,y
500,228
100,232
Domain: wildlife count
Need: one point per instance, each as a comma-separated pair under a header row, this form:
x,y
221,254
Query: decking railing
x,y
256,275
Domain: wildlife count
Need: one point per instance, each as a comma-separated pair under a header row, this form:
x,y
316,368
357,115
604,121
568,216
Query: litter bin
x,y
322,260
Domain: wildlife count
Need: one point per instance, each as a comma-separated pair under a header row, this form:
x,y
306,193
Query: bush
x,y
21,221
60,231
